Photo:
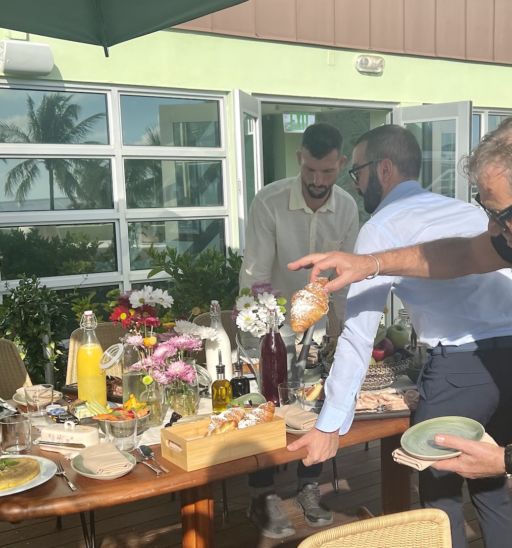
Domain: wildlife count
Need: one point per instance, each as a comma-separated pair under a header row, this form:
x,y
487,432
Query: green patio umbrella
x,y
102,22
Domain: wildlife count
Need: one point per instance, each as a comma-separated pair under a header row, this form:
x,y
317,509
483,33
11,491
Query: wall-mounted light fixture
x,y
18,57
370,64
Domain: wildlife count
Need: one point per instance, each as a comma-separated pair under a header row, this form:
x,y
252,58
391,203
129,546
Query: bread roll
x,y
309,305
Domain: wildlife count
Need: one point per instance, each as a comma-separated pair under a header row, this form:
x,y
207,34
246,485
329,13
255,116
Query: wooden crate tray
x,y
186,446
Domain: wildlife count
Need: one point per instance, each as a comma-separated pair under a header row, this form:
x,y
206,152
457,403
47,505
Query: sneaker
x,y
266,513
308,498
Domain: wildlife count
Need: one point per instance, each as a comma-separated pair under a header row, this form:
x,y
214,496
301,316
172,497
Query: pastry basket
x,y
385,374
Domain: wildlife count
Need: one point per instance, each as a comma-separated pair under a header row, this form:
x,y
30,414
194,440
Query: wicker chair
x,y
426,528
108,333
13,374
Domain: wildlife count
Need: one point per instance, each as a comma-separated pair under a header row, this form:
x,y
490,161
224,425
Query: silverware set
x,y
144,455
62,473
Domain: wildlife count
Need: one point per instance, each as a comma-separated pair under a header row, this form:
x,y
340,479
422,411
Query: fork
x,y
61,472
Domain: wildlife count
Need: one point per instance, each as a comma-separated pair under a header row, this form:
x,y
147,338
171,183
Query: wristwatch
x,y
508,460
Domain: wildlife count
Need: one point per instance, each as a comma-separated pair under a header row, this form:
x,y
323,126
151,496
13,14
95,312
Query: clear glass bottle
x,y
239,383
222,393
91,378
273,360
221,343
132,380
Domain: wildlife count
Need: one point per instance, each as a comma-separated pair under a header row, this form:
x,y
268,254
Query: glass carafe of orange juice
x,y
91,378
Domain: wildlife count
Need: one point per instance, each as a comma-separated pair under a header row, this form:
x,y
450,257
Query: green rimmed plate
x,y
418,440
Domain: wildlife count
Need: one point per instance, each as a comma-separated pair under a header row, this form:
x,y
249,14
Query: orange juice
x,y
91,378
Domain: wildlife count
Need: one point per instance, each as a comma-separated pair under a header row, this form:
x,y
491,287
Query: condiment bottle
x,y
221,342
273,362
91,378
239,383
222,393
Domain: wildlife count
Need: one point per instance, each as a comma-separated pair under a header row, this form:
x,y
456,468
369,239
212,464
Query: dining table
x,y
54,498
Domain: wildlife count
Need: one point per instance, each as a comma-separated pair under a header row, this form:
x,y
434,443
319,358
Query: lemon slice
x,y
147,380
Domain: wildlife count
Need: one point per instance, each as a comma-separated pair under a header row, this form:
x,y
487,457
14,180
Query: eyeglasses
x,y
501,218
354,172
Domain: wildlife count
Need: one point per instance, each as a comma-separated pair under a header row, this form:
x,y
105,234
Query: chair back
x,y
13,374
426,527
108,333
228,324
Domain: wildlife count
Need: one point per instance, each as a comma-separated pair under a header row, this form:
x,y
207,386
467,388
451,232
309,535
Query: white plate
x,y
48,469
78,466
19,397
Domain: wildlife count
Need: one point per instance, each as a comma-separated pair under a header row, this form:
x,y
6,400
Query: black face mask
x,y
372,197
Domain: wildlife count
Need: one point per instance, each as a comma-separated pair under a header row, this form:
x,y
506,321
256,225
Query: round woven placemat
x,y
385,374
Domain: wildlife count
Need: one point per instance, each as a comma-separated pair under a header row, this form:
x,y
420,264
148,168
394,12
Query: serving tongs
x,y
307,339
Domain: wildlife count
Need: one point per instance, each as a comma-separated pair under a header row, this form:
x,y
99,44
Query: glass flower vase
x,y
154,396
183,397
132,380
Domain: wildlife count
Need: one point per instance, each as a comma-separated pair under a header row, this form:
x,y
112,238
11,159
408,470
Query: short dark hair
x,y
494,148
322,138
395,143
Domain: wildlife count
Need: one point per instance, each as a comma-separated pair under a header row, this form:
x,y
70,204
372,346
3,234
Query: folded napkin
x,y
104,459
402,457
296,417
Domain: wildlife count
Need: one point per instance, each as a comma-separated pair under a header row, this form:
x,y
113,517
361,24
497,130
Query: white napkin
x,y
296,417
104,459
402,457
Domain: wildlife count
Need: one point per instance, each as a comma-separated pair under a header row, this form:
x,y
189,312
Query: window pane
x,y
193,235
28,116
57,250
439,165
42,184
165,121
173,183
495,120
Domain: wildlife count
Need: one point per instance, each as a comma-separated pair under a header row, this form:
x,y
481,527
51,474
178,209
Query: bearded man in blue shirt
x,y
466,321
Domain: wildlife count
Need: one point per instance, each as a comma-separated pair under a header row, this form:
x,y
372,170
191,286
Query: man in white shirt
x,y
466,321
288,219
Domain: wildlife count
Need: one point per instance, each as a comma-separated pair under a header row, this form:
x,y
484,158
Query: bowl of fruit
x,y
131,409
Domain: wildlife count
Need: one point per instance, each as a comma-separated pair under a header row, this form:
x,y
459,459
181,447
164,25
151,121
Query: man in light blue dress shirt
x,y
466,321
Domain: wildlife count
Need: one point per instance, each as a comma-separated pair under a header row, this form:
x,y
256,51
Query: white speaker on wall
x,y
18,57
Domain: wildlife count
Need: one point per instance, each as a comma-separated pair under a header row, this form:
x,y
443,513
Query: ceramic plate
x,y
78,466
19,397
418,440
48,469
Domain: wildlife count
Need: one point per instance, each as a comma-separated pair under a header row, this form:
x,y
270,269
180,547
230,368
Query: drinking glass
x,y
289,393
38,397
123,434
15,434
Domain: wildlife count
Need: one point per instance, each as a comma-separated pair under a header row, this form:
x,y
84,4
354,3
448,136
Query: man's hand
x,y
320,446
349,268
479,459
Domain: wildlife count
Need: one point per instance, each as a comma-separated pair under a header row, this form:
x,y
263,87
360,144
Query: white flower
x,y
268,300
185,328
204,332
150,296
245,302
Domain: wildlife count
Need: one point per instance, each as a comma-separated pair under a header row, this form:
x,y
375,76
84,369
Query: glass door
x,y
248,155
444,134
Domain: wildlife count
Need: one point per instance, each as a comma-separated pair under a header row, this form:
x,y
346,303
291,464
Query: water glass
x,y
15,434
289,393
38,397
123,434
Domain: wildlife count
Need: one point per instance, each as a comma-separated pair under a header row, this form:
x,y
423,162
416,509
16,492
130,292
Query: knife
x,y
60,444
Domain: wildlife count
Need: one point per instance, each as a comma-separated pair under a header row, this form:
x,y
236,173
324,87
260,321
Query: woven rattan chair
x,y
13,374
427,528
108,333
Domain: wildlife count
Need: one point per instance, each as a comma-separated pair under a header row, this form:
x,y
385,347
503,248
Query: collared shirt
x,y
282,228
450,312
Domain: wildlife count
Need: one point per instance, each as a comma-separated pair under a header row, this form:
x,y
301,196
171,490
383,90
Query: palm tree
x,y
54,121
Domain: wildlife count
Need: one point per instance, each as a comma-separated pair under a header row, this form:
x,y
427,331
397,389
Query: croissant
x,y
309,305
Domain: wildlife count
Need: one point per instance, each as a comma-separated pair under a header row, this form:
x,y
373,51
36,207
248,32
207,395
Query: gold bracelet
x,y
377,264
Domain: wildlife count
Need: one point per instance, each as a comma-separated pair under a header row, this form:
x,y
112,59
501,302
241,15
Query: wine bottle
x,y
222,393
221,342
273,362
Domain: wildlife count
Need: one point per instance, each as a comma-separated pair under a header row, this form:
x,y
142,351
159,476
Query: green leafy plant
x,y
197,279
35,318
